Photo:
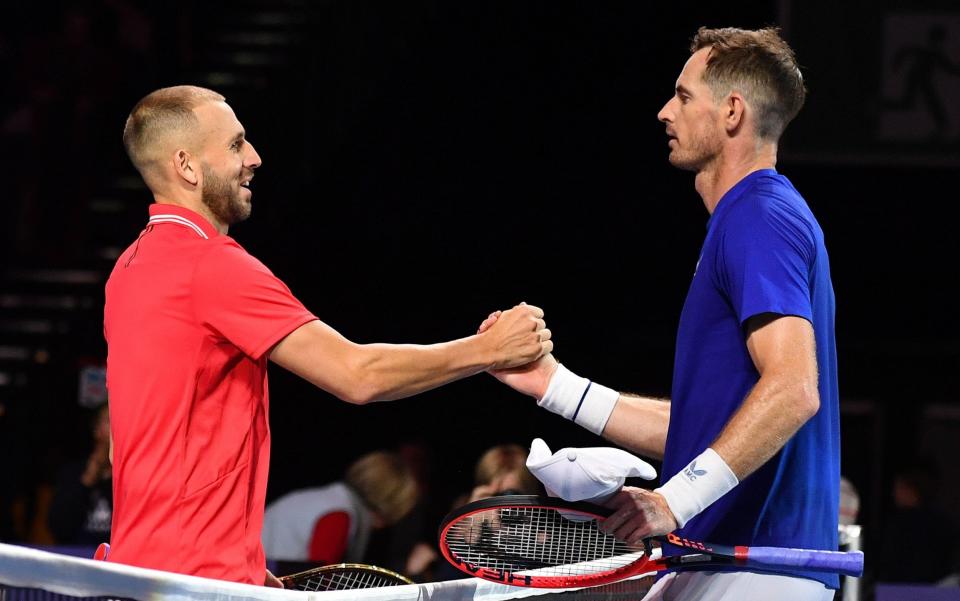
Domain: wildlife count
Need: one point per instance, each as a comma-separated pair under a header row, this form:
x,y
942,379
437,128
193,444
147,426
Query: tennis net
x,y
33,575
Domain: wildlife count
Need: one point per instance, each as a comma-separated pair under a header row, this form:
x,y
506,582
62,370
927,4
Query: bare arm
x,y
785,397
639,424
361,373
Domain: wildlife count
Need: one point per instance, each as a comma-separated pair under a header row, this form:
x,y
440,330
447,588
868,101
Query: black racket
x,y
343,576
534,541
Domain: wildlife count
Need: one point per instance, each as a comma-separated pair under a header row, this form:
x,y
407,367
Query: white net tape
x,y
21,567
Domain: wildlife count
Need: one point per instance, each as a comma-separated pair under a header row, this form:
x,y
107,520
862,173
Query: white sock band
x,y
585,403
695,487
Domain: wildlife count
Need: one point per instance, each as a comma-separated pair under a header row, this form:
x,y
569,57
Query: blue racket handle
x,y
849,563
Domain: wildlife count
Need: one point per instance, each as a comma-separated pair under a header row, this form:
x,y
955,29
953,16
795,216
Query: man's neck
x,y
716,179
196,206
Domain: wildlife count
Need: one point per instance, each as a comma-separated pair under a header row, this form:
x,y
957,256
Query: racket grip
x,y
849,563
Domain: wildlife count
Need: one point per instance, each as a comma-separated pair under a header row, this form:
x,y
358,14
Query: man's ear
x,y
187,166
734,109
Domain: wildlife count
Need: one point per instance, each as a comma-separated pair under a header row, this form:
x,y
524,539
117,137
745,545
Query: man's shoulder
x,y
223,252
771,199
770,192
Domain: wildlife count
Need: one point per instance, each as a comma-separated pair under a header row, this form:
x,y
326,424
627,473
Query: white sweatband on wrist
x,y
695,487
583,402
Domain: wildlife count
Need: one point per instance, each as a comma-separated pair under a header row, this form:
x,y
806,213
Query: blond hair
x,y
385,484
501,460
761,66
160,114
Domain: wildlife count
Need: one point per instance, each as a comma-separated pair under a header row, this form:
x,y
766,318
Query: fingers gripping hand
x,y
519,335
489,321
638,514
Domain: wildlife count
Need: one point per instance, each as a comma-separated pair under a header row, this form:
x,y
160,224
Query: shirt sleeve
x,y
239,299
765,259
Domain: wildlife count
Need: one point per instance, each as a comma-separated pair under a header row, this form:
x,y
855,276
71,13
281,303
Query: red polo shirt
x,y
189,319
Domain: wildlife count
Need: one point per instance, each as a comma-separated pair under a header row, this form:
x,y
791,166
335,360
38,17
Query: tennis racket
x,y
536,541
343,576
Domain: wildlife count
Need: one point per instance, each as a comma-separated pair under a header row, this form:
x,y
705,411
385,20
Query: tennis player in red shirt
x,y
191,320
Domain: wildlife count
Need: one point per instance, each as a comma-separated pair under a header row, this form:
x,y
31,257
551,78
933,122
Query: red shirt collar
x,y
164,213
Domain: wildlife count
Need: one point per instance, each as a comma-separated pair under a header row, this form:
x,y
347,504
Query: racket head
x,y
343,576
534,541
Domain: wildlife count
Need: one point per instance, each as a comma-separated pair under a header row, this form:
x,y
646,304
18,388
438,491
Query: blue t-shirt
x,y
764,253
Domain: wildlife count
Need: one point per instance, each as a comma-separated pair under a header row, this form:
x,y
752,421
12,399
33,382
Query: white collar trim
x,y
178,220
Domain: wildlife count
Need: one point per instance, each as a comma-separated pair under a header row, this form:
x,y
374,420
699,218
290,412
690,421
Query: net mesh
x,y
33,575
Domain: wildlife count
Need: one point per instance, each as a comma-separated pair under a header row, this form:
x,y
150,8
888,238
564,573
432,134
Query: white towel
x,y
589,474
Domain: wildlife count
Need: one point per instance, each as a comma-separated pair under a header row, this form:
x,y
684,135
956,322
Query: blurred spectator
x,y
332,524
849,502
501,470
914,517
389,548
82,506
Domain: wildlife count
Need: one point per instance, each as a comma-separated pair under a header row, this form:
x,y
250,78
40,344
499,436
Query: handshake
x,y
521,348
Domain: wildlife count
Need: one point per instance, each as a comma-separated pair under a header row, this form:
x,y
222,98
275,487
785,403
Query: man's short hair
x,y
761,66
161,113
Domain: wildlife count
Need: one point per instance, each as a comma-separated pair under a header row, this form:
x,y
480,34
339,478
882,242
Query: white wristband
x,y
695,487
585,403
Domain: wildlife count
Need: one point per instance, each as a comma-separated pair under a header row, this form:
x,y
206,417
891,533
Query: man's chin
x,y
683,163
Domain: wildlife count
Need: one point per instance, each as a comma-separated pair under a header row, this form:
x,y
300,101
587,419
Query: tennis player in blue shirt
x,y
750,439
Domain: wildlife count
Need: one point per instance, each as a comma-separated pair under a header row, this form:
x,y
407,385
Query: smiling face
x,y
693,119
228,161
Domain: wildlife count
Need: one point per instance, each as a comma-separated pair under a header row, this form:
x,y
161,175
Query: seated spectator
x,y
82,506
501,470
332,524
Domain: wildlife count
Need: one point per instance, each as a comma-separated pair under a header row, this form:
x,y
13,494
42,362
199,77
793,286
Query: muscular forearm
x,y
774,410
640,424
363,373
384,372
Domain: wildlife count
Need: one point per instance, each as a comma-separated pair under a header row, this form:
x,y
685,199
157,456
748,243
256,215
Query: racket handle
x,y
102,551
849,563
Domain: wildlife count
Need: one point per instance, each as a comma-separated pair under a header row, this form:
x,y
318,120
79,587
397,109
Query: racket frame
x,y
705,554
340,568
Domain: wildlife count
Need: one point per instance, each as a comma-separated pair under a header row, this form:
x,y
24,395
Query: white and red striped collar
x,y
165,213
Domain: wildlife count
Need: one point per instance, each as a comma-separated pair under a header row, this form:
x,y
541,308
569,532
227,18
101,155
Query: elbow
x,y
808,402
363,388
358,393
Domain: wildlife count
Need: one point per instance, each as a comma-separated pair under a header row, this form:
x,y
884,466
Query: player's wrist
x,y
485,350
583,402
697,486
547,368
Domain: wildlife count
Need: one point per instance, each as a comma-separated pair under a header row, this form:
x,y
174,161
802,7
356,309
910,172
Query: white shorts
x,y
736,586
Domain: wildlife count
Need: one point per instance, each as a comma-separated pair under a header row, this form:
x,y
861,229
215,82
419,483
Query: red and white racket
x,y
544,542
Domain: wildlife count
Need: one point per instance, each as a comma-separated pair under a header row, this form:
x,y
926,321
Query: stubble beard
x,y
223,199
700,152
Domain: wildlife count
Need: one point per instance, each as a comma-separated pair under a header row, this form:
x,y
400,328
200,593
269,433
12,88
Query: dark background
x,y
427,162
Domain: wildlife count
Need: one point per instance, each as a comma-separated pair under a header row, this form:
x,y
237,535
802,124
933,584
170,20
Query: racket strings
x,y
537,540
341,579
